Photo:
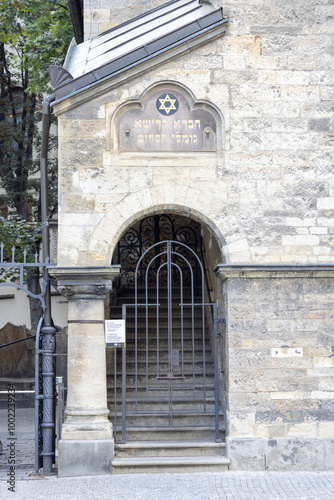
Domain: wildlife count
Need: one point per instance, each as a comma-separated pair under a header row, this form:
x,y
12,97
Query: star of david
x,y
167,104
170,107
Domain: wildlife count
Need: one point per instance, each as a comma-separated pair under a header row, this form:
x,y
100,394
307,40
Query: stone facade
x,y
279,341
266,196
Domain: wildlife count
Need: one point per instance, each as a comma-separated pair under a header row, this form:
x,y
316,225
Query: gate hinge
x,y
221,320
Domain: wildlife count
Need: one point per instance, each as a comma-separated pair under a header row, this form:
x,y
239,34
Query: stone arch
x,y
176,210
101,234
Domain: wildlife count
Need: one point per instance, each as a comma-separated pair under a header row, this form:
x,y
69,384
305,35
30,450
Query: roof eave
x,y
138,57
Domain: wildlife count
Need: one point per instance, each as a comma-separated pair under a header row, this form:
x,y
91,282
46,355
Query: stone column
x,y
86,446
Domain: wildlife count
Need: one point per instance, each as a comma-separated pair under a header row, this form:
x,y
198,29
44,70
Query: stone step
x,y
187,349
169,449
163,323
129,294
158,405
163,357
169,464
151,311
180,433
178,393
187,374
185,383
163,342
163,365
160,419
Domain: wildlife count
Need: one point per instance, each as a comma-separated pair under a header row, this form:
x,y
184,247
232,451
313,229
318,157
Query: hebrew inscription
x,y
167,123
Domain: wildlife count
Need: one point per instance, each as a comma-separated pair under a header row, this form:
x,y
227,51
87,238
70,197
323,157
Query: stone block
x,y
320,124
85,457
300,93
300,240
281,454
323,362
329,453
308,429
293,454
246,453
326,429
279,44
326,203
243,44
242,424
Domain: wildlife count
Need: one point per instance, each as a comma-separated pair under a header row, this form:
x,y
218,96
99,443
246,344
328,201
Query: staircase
x,y
162,436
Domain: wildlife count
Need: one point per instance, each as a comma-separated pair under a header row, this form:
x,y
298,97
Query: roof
x,y
128,45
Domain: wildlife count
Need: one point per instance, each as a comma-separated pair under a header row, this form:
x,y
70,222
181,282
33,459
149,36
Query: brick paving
x,y
203,486
25,434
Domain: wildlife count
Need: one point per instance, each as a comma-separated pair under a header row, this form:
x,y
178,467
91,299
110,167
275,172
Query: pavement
x,y
230,485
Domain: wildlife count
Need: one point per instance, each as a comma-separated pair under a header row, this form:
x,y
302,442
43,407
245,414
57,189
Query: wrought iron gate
x,y
175,368
142,238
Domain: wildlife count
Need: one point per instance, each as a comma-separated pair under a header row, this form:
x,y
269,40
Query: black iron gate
x,y
142,238
170,358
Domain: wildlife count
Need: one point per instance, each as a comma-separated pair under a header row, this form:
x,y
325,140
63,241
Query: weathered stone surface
x,y
274,352
266,194
246,453
295,454
85,457
284,454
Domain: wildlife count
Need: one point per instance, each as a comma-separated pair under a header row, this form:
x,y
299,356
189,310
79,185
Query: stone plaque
x,y
167,123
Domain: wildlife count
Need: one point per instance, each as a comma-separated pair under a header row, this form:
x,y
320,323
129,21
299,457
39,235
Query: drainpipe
x,y
48,330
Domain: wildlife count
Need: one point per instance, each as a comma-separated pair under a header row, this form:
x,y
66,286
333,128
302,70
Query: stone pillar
x,y
86,446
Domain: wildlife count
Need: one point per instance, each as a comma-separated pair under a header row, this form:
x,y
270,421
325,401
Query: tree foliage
x,y
17,236
33,35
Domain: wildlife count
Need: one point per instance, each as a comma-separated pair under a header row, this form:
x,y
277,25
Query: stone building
x,y
218,119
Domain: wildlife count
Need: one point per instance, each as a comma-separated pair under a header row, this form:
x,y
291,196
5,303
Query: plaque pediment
x,y
168,121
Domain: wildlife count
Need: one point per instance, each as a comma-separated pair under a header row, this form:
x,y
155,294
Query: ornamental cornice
x,y
89,283
252,271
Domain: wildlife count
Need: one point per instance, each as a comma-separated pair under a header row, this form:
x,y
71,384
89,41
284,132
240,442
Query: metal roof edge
x,y
69,52
92,78
166,23
189,44
144,14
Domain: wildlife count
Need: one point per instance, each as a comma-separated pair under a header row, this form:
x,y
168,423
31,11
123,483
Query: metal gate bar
x,y
172,374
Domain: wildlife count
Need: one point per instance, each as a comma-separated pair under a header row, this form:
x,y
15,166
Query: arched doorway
x,y
167,378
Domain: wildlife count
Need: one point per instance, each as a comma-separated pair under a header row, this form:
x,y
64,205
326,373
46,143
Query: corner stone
x,y
85,457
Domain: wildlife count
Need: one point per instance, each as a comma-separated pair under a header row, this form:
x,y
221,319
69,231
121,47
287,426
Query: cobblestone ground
x,y
202,486
25,442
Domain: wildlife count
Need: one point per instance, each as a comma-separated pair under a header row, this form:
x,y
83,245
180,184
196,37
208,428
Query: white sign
x,y
114,332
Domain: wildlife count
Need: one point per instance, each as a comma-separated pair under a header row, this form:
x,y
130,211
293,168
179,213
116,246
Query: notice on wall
x,y
114,332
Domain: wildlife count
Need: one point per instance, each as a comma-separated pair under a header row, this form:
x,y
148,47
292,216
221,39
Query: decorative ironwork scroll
x,y
28,262
149,231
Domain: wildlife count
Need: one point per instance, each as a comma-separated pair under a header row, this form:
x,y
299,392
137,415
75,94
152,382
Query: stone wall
x,y
272,192
280,373
101,15
267,196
